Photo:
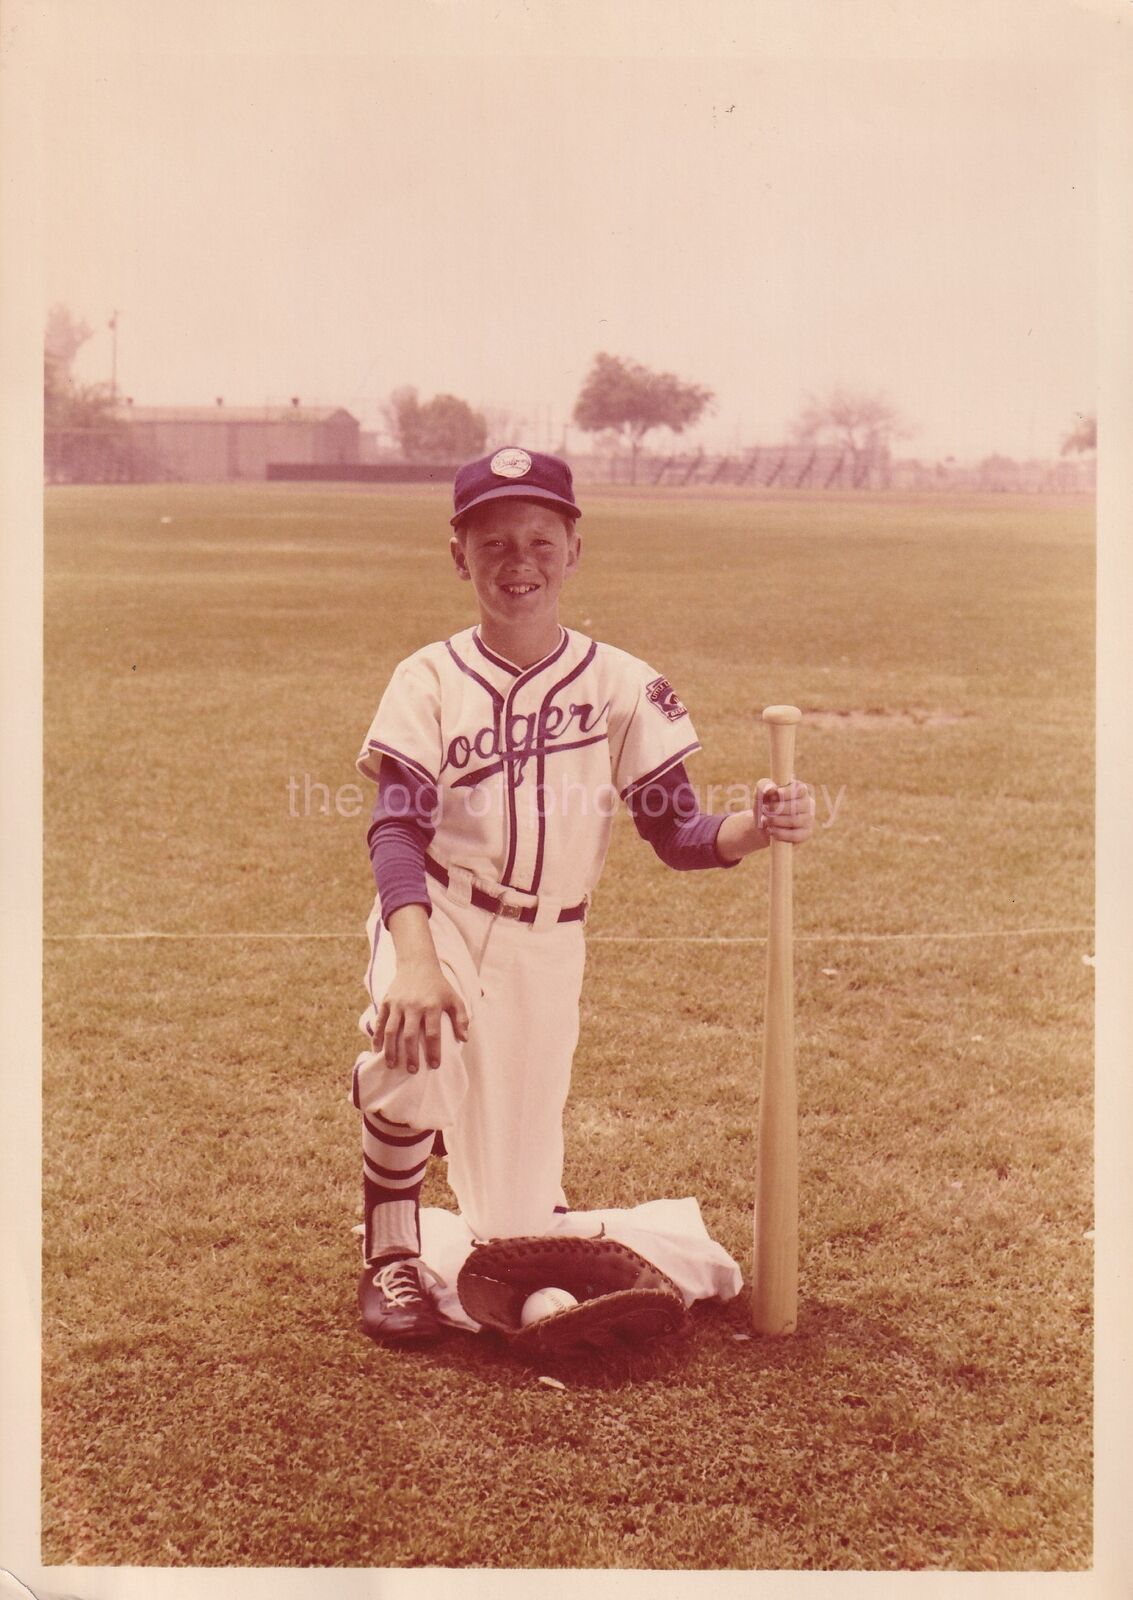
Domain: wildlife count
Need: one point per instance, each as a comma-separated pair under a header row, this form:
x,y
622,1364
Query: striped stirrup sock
x,y
394,1158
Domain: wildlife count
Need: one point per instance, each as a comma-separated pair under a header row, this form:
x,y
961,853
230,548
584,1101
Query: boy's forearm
x,y
739,836
412,937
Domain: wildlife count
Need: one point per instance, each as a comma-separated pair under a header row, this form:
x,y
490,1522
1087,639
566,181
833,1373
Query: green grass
x,y
207,1399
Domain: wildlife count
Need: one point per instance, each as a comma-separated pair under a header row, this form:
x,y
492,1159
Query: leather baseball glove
x,y
622,1298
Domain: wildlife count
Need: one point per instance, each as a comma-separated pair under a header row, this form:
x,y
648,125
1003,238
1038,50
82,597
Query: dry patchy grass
x,y
207,1399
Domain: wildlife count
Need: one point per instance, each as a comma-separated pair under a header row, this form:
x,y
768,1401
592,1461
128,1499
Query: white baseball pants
x,y
498,1098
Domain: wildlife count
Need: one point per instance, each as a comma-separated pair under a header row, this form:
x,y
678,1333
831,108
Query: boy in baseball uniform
x,y
500,756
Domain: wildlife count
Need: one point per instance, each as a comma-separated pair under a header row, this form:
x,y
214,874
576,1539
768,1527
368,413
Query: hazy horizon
x,y
272,223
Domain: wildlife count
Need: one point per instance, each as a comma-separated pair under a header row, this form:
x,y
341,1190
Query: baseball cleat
x,y
395,1303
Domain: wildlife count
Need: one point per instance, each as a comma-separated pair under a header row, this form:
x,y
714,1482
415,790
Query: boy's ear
x,y
459,560
574,550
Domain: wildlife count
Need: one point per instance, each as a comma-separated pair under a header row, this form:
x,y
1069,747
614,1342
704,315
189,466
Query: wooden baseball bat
x,y
776,1257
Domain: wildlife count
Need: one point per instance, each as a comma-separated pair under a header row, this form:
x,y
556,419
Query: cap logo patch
x,y
511,463
664,697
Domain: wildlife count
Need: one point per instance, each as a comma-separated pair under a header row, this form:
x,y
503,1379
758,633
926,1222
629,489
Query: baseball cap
x,y
516,474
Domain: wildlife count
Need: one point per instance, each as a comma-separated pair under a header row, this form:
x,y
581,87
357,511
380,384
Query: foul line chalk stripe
x,y
831,938
628,938
50,938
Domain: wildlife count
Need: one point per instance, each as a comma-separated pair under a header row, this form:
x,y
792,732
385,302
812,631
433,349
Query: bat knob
x,y
782,715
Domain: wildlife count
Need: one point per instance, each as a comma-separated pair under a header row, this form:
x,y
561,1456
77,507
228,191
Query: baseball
x,y
544,1303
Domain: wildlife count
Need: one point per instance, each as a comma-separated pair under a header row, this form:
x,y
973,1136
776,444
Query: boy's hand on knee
x,y
408,1027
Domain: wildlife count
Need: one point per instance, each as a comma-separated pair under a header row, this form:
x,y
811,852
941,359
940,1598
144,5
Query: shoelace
x,y
400,1282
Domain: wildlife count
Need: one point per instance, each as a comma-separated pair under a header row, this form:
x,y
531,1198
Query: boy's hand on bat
x,y
784,811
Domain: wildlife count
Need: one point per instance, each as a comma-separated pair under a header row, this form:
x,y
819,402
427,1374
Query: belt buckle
x,y
506,909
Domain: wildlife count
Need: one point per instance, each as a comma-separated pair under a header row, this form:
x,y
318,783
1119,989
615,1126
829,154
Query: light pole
x,y
113,326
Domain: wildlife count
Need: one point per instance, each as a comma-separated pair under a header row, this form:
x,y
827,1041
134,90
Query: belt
x,y
503,908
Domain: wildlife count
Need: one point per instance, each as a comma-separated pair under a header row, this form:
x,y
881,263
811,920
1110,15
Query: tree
x,y
402,414
1083,436
451,430
628,399
998,472
445,429
63,338
85,440
67,404
864,424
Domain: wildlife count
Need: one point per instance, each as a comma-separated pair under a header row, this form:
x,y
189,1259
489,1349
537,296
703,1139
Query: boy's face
x,y
517,555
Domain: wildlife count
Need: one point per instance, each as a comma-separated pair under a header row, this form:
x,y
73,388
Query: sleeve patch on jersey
x,y
664,697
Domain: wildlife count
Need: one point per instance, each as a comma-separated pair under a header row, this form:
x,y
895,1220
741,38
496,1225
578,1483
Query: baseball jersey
x,y
528,764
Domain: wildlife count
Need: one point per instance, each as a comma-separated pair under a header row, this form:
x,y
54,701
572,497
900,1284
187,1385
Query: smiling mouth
x,y
519,588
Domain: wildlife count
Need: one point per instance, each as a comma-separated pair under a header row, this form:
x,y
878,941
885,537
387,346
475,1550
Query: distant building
x,y
223,444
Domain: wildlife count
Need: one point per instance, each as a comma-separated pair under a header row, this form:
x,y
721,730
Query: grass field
x,y
207,1399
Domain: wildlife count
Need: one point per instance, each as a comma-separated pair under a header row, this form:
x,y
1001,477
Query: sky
x,y
480,208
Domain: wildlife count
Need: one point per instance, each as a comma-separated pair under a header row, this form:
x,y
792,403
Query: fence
x,y
800,467
122,455
363,472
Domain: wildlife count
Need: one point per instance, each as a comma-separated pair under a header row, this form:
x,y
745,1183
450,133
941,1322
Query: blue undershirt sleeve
x,y
667,815
400,833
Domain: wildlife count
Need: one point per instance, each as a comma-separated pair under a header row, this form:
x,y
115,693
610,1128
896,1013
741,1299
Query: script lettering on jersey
x,y
527,736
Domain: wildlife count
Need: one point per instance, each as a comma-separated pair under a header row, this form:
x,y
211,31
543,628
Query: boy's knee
x,y
428,1098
